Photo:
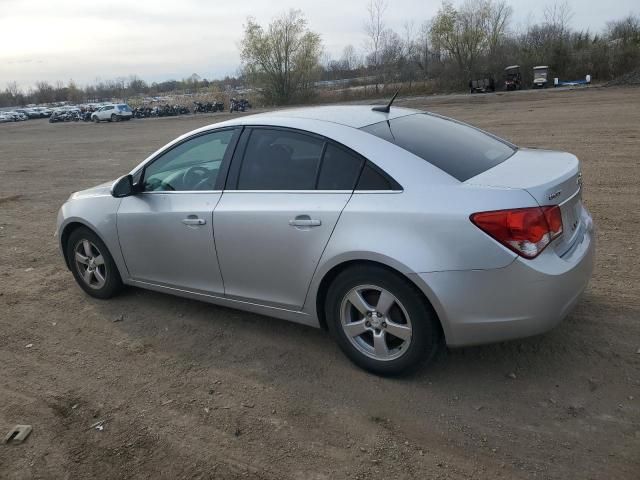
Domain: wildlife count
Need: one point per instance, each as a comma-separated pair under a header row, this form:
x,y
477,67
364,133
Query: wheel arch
x,y
335,270
66,232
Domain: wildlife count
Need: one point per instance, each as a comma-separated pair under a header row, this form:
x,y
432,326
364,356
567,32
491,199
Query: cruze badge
x,y
555,195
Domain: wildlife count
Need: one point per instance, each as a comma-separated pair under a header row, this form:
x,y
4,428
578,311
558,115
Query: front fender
x,y
98,213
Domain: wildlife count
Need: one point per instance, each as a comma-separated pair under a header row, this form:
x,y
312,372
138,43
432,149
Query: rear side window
x,y
340,169
459,150
372,179
280,160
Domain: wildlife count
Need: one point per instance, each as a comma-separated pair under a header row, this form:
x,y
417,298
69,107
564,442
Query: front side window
x,y
457,149
191,166
280,160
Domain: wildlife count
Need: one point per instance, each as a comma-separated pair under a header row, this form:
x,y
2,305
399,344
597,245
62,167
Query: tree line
x,y
120,88
285,60
458,44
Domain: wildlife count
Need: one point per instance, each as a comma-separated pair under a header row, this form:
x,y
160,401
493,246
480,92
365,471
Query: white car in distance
x,y
112,113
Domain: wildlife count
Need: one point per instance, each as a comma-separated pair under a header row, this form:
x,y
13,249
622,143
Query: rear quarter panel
x,y
419,230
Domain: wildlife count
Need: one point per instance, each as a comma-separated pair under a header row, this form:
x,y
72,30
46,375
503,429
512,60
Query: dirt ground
x,y
190,390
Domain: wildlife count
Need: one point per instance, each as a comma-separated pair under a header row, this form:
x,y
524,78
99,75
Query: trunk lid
x,y
551,178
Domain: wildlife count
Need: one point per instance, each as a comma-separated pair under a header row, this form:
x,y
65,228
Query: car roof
x,y
356,116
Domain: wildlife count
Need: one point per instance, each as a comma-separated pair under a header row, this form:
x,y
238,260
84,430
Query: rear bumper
x,y
528,297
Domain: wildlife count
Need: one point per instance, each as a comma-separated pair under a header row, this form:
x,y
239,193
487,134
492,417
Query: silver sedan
x,y
395,229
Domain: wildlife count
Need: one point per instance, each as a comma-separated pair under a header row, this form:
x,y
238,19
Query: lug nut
x,y
384,324
367,323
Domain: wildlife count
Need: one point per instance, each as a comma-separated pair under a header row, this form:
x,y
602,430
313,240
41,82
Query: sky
x,y
86,40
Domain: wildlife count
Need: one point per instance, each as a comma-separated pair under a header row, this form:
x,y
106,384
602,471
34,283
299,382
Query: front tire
x,y
381,322
92,265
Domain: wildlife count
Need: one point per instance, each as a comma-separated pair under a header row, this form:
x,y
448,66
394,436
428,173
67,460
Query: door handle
x,y
193,220
304,221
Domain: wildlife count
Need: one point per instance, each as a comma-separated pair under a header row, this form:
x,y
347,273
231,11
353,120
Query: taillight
x,y
526,231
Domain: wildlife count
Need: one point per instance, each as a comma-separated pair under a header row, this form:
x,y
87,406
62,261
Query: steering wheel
x,y
194,177
156,184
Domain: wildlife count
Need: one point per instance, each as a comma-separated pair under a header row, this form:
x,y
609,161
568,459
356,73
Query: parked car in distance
x,y
41,112
6,118
482,85
540,76
25,111
393,228
20,117
112,113
12,116
512,78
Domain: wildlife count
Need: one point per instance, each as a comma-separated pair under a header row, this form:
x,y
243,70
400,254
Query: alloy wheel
x,y
375,322
90,264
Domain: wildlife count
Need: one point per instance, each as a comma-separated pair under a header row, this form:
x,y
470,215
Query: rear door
x,y
285,193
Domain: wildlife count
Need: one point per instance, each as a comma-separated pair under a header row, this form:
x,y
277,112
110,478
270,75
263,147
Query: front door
x,y
166,231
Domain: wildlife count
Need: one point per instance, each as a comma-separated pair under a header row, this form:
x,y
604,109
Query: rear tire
x,y
92,264
96,119
114,117
391,331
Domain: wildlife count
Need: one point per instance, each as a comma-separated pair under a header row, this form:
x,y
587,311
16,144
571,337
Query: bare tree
x,y
350,58
44,92
558,16
626,30
423,49
283,58
73,93
461,32
13,89
471,33
498,16
374,28
391,55
410,54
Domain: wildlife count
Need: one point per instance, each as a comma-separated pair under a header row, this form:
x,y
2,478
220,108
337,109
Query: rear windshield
x,y
124,108
458,149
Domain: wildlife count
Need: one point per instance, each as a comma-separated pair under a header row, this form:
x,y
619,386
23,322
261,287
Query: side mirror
x,y
123,187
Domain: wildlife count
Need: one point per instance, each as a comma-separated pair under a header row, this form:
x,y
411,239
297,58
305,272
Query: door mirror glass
x,y
123,187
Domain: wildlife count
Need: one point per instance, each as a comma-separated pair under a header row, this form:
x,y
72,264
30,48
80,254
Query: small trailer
x,y
512,78
571,83
540,76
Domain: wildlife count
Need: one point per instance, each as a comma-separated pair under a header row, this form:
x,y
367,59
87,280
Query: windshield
x,y
460,150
